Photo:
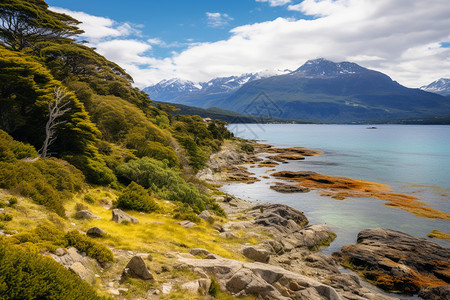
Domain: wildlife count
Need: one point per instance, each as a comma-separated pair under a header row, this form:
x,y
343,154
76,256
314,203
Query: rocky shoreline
x,y
287,263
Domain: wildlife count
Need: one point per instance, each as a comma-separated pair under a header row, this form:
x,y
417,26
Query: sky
x,y
198,40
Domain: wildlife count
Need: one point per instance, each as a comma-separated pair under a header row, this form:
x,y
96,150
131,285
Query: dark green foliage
x,y
163,181
44,237
92,249
25,23
11,150
26,274
5,217
48,182
135,197
199,138
184,212
214,288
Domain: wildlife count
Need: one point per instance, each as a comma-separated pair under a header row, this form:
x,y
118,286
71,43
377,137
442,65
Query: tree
x,y
25,23
56,109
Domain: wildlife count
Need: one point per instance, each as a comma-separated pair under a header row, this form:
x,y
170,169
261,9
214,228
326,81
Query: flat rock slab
x,y
86,214
261,280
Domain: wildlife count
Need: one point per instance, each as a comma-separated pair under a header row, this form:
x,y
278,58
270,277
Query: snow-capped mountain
x,y
440,86
322,68
198,94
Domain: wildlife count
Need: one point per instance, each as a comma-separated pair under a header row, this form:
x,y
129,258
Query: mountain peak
x,y
323,68
440,86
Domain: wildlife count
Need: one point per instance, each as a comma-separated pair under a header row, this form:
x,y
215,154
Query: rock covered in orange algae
x,y
397,261
342,187
294,153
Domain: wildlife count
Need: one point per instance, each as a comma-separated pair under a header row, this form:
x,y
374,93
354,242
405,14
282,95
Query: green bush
x,y
10,149
164,182
48,182
44,237
214,288
92,249
135,197
25,274
6,217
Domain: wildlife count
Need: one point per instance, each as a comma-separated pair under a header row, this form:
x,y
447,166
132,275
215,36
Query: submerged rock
x,y
288,188
397,261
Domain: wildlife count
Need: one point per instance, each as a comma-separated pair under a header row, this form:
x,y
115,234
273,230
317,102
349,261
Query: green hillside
x,y
75,134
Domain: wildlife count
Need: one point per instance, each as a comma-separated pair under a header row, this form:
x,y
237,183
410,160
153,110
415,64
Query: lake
x,y
414,160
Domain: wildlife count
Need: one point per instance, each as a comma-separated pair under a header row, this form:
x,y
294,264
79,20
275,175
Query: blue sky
x,y
199,40
180,21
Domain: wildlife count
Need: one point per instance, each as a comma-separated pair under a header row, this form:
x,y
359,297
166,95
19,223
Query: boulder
x,y
256,254
95,232
84,273
86,214
205,215
186,224
137,268
278,216
119,216
397,261
435,293
83,266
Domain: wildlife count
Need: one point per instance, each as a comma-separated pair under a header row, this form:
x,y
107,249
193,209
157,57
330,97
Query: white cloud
x,y
217,19
276,2
401,38
96,28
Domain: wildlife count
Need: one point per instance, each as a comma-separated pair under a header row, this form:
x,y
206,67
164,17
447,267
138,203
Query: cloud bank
x,y
401,38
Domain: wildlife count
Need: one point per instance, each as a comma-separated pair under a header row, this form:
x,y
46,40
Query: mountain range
x,y
320,90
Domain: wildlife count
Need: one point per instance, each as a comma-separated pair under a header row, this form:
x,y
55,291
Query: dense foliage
x,y
137,198
49,238
92,248
26,274
165,183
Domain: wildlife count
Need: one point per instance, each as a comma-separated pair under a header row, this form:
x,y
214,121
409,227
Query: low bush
x,y
25,274
48,182
6,217
92,249
10,149
164,182
135,197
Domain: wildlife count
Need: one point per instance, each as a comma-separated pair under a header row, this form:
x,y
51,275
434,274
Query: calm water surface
x,y
414,160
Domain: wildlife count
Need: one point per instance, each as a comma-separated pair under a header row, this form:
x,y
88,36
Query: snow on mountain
x,y
440,86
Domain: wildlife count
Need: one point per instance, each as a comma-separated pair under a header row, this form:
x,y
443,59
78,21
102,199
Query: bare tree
x,y
56,109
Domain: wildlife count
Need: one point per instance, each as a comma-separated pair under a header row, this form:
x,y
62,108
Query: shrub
x,y
92,249
48,182
25,274
10,149
6,217
214,288
89,199
135,197
166,183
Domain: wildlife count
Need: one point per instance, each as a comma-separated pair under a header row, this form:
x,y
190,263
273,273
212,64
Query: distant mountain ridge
x,y
319,90
440,86
199,94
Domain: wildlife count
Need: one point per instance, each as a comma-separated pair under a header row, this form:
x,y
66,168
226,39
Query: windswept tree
x,y
56,109
24,23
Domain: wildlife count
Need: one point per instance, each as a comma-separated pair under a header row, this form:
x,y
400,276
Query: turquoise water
x,y
414,160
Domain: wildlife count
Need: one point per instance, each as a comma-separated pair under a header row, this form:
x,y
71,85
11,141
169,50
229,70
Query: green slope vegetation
x,y
104,137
